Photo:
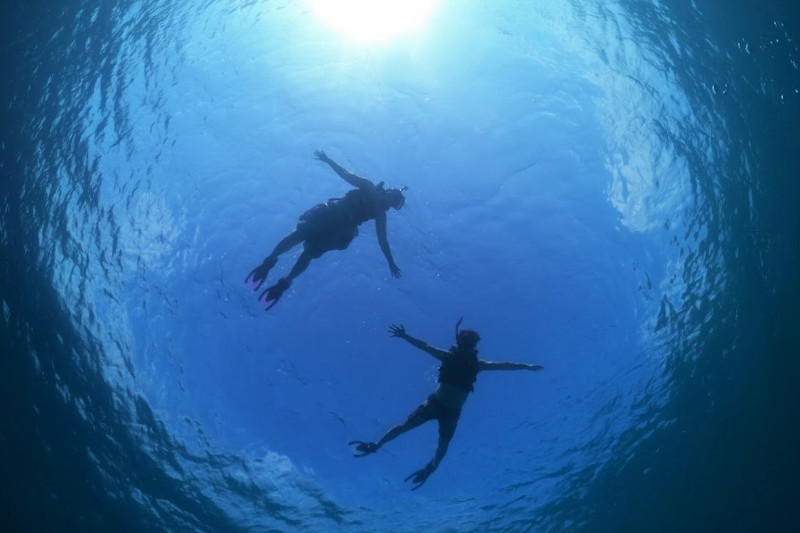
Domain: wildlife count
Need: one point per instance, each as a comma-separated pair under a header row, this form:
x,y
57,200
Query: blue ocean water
x,y
608,189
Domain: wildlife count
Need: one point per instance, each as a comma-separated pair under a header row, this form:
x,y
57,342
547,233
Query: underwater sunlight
x,y
213,317
374,21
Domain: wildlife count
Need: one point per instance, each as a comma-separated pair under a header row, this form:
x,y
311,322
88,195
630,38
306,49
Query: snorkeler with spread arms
x,y
457,374
331,226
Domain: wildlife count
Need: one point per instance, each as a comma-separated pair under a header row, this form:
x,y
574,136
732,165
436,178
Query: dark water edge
x,y
729,462
65,468
45,488
71,456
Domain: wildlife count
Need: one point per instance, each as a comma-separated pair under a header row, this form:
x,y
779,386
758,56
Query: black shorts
x,y
433,409
326,227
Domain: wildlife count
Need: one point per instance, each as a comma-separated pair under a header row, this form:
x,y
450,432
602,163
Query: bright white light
x,y
373,20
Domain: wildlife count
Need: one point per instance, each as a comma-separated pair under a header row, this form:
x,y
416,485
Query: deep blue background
x,y
606,189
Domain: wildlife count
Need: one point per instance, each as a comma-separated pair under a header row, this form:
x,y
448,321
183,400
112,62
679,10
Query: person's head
x,y
467,339
394,197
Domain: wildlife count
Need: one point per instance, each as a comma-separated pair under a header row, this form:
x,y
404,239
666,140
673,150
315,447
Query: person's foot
x,y
271,296
364,448
258,275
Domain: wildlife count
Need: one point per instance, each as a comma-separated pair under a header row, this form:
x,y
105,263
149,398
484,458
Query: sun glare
x,y
371,21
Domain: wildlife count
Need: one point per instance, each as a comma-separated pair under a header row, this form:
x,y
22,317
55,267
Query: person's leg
x,y
447,428
286,244
420,415
257,276
273,293
407,425
300,266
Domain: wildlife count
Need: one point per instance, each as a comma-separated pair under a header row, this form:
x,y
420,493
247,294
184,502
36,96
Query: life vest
x,y
459,369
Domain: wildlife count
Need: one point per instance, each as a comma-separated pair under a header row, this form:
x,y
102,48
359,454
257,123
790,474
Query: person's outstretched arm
x,y
349,177
400,331
380,226
496,365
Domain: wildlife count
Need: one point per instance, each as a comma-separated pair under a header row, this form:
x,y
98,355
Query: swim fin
x,y
258,275
419,477
364,448
271,296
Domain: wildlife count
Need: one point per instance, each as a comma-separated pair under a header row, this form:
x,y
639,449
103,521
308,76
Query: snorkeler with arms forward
x,y
331,226
457,374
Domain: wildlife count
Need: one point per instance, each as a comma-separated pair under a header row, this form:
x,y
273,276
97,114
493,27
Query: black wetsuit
x,y
334,224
